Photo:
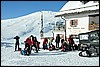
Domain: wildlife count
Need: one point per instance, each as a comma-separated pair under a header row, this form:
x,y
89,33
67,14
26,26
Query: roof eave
x,y
74,13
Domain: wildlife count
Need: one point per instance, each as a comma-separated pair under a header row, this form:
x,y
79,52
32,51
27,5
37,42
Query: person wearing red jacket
x,y
28,43
45,43
28,40
71,42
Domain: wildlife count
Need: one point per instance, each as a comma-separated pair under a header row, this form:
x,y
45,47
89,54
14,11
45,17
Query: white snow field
x,y
44,58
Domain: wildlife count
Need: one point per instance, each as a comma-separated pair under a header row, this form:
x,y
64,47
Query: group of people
x,y
65,44
31,42
50,44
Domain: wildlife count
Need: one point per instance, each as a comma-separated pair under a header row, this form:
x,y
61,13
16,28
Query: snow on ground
x,y
44,58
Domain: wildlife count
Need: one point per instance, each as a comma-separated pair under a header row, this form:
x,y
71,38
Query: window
x,y
84,37
94,37
74,23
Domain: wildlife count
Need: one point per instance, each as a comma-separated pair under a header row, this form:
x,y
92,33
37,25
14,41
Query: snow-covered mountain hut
x,y
80,17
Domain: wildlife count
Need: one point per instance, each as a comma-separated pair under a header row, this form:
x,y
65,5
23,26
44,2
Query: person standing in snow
x,y
17,42
57,40
62,40
71,42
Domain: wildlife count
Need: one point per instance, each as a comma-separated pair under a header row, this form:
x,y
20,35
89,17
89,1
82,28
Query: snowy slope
x,y
26,25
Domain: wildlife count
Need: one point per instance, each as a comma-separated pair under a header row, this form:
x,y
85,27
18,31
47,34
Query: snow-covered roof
x,y
77,6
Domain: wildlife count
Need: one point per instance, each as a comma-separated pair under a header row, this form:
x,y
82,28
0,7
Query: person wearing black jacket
x,y
34,43
17,42
57,40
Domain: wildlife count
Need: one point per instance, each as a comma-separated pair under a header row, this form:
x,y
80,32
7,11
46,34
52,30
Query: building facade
x,y
80,17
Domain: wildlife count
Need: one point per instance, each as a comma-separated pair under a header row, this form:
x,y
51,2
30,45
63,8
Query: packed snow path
x,y
44,58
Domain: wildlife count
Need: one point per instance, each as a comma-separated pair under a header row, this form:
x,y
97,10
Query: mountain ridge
x,y
28,25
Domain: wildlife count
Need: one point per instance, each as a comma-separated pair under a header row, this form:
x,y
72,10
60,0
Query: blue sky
x,y
14,9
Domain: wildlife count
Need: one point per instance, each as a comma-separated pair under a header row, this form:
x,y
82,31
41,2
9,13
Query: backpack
x,y
23,52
